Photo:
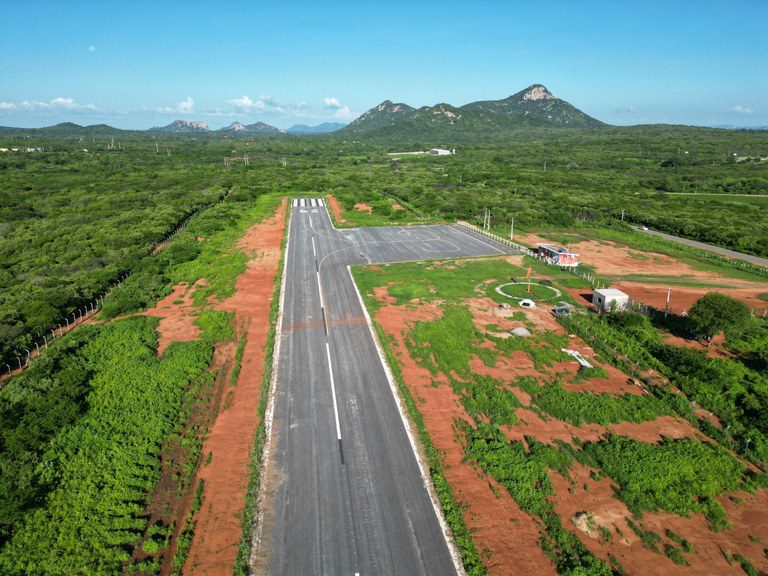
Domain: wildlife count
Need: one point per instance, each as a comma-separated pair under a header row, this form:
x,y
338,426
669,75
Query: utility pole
x,y
622,214
512,229
666,307
157,147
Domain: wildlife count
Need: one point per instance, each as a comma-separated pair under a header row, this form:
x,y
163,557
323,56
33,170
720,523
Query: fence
x,y
92,308
586,276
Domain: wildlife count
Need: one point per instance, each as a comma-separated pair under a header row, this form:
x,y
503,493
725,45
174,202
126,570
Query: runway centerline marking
x,y
335,405
314,252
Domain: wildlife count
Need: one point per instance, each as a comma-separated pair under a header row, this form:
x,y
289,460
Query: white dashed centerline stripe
x,y
333,391
314,252
320,287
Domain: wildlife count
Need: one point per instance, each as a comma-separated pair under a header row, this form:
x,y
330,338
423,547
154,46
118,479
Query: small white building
x,y
610,299
441,152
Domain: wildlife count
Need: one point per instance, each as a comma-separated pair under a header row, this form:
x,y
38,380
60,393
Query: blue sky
x,y
135,64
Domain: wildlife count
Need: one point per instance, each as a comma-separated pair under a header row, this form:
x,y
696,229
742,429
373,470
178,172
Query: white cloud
x,y
56,103
626,110
186,106
332,103
91,48
743,110
7,106
344,113
267,100
246,103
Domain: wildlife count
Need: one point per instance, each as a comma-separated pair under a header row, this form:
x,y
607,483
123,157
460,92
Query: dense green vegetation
x,y
680,476
715,313
86,485
72,222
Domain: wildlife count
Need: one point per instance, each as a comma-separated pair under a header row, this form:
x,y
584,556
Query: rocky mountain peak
x,y
538,92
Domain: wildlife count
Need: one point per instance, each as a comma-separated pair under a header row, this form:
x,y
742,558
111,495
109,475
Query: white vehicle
x,y
644,228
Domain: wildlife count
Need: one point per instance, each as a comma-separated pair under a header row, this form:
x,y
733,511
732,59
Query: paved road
x,y
716,249
344,492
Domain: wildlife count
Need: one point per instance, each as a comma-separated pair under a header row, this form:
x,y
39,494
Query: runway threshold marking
x,y
335,405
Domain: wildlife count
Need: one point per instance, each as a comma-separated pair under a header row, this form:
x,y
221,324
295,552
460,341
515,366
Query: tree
x,y
715,312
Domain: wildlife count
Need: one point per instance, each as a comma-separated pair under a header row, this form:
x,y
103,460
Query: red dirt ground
x,y
750,518
363,207
497,523
218,530
176,322
397,207
336,208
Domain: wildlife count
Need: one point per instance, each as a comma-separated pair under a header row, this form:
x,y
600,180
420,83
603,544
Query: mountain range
x,y
534,106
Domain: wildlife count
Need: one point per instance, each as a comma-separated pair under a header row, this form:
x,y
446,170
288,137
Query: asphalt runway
x,y
343,492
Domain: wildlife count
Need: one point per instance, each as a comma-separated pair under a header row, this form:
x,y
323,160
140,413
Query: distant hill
x,y
182,126
534,106
323,128
64,129
257,128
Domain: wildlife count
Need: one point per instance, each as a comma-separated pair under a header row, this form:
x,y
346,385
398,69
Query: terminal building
x,y
558,255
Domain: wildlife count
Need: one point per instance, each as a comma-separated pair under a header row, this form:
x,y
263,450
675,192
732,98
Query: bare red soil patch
x,y
683,297
583,496
397,207
336,208
176,323
361,207
229,444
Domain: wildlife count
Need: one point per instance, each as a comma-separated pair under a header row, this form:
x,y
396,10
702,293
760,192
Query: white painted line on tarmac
x,y
333,391
412,435
295,202
320,287
320,202
478,240
301,202
314,252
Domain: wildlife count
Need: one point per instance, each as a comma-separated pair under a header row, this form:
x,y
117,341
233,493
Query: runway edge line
x,y
423,468
269,413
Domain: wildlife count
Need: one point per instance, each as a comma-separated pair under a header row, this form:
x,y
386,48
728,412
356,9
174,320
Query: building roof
x,y
611,292
556,248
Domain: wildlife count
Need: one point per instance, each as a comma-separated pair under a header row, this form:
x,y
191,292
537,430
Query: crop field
x,y
640,461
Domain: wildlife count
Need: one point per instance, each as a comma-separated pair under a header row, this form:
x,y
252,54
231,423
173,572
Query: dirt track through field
x,y
229,444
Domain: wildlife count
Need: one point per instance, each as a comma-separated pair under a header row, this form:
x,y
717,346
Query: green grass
x,y
429,281
215,325
537,293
